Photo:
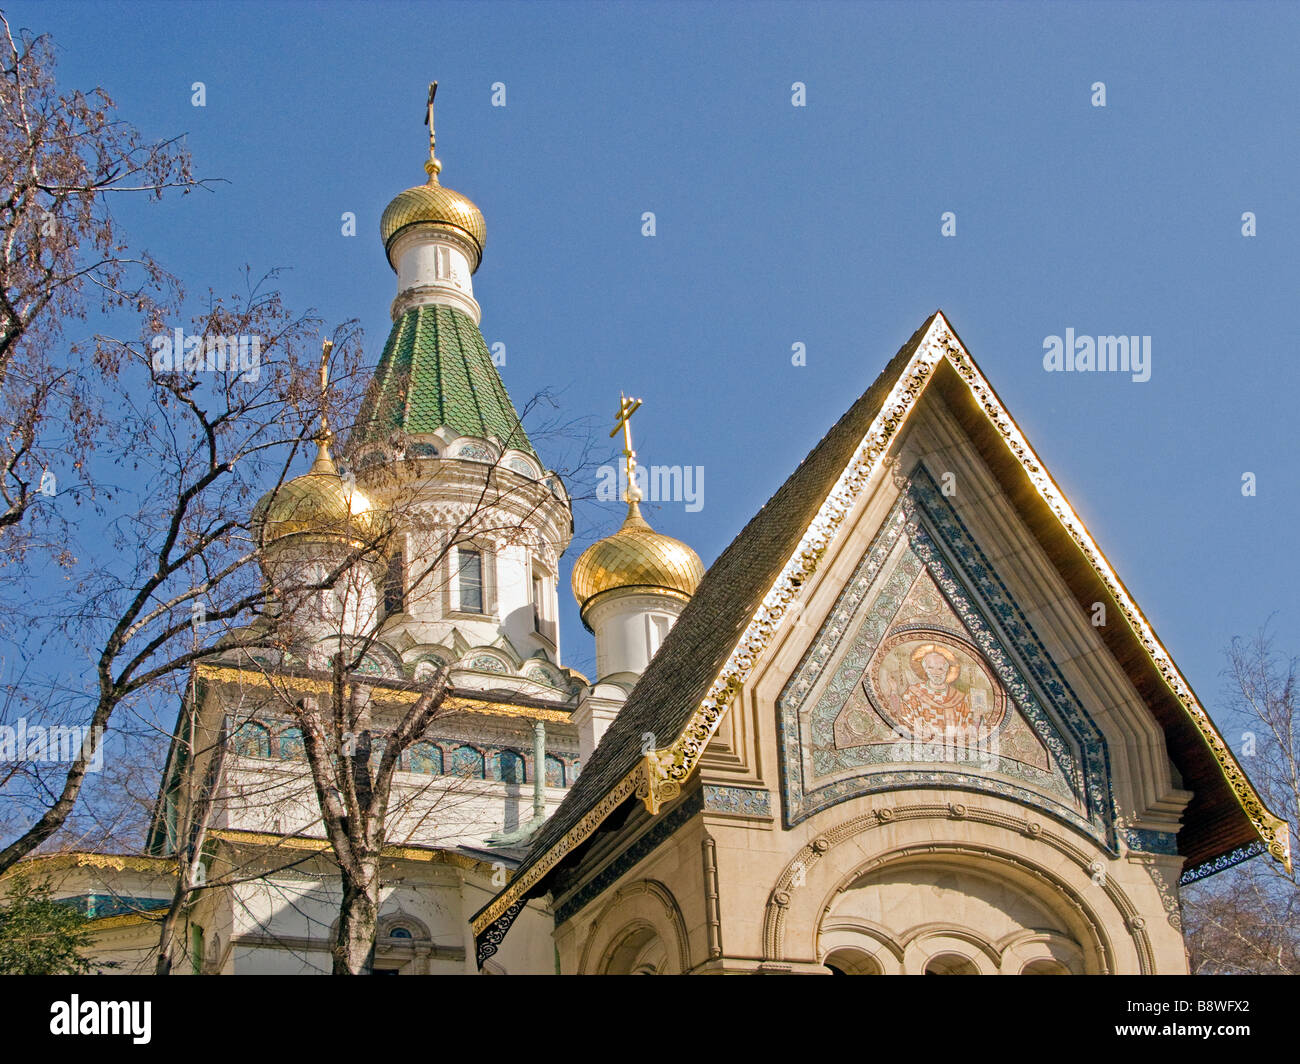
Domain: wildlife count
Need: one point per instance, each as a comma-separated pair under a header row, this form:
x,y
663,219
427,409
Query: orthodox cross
x,y
623,420
325,350
432,166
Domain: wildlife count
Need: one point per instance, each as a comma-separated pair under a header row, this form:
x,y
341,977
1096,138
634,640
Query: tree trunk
x,y
167,933
354,945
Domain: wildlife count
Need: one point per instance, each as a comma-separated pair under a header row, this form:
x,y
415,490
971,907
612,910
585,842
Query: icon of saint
x,y
933,707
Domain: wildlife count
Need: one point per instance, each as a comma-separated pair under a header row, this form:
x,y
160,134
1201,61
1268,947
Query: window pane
x,y
471,581
395,585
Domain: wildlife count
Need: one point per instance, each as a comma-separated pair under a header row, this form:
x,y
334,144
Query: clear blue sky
x,y
779,225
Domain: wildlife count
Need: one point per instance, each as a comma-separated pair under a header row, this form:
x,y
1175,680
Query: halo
x,y
925,649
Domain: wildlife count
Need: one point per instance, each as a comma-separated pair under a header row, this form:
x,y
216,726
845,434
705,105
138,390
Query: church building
x,y
909,722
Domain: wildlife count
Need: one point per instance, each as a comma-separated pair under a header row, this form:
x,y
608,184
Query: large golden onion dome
x,y
636,556
432,205
319,504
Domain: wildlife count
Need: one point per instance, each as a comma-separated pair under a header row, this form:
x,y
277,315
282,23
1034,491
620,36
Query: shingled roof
x,y
1227,820
436,371
705,634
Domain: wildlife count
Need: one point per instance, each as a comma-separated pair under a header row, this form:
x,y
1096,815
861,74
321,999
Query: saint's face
x,y
936,669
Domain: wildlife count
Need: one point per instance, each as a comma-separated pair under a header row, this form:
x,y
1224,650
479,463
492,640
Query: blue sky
x,y
778,225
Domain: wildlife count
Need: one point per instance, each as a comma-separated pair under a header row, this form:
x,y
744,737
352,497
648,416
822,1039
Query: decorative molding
x,y
795,875
679,760
1223,863
1141,840
616,869
712,904
660,893
737,801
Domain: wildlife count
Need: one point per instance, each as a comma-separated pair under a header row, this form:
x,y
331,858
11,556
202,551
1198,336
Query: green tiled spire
x,y
436,370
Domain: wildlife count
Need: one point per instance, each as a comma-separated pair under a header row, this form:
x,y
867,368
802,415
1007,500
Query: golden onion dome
x,y
636,556
320,503
432,205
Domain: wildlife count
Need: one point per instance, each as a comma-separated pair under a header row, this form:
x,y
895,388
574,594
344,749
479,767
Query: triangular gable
x,y
856,717
713,647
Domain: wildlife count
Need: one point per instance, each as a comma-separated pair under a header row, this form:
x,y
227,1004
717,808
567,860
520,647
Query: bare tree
x,y
64,156
177,549
327,615
1247,919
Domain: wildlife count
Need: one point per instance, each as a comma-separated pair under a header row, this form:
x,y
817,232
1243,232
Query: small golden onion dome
x,y
320,504
636,556
431,204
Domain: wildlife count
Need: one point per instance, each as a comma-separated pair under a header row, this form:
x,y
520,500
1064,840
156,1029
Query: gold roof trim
x,y
460,703
659,776
294,842
116,862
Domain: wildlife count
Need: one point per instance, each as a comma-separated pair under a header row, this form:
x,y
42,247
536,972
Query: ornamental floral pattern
x,y
907,642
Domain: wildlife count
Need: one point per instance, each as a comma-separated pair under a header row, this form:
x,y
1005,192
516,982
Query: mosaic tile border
x,y
740,801
922,505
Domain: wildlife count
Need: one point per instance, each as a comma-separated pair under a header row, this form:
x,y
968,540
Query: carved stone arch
x,y
1044,948
1052,888
646,903
399,920
431,654
488,659
840,934
961,934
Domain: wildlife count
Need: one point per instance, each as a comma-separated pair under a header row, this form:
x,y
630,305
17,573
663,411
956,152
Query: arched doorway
x,y
938,914
638,952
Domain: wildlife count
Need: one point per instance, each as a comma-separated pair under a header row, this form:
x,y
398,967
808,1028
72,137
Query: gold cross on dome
x,y
433,165
326,347
626,408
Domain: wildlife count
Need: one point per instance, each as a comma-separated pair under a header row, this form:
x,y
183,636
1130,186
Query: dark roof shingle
x,y
698,645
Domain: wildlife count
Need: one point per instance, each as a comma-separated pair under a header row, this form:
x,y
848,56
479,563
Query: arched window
x,y
852,962
426,759
400,932
251,740
395,584
508,767
554,771
1045,966
467,762
951,964
639,952
290,745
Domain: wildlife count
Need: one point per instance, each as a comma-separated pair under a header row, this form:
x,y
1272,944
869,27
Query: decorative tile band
x,y
742,801
1141,840
1222,864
